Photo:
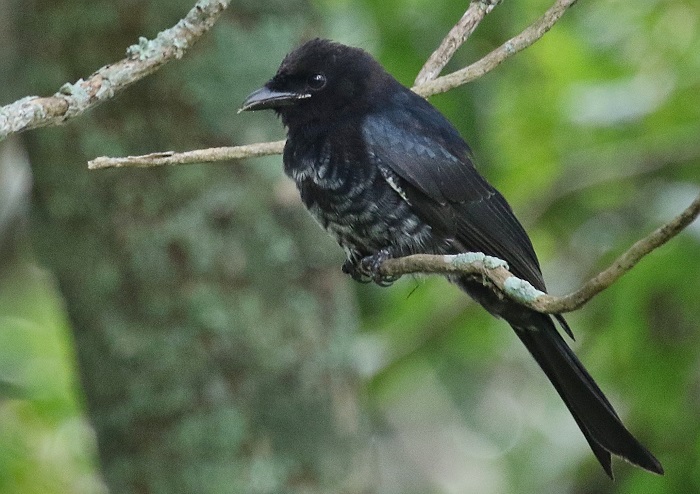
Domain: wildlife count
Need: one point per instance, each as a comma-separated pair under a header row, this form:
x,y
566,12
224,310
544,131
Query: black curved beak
x,y
265,98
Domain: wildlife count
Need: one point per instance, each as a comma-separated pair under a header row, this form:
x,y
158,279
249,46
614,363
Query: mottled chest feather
x,y
355,198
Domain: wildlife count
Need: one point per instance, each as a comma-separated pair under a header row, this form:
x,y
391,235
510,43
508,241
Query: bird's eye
x,y
316,81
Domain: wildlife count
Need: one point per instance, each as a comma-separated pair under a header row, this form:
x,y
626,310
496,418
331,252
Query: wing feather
x,y
438,179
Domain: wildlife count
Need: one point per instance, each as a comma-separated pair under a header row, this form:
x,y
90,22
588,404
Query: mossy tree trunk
x,y
211,321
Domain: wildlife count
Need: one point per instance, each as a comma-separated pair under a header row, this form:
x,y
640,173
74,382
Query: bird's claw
x,y
353,269
366,270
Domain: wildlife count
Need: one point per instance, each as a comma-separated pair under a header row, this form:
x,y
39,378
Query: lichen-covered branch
x,y
142,59
495,271
475,13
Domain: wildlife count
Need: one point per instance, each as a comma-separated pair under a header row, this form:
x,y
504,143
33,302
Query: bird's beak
x,y
265,98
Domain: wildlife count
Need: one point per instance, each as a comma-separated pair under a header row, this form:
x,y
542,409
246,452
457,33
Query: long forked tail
x,y
592,411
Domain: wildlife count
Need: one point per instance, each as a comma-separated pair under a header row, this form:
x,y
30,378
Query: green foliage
x,y
47,446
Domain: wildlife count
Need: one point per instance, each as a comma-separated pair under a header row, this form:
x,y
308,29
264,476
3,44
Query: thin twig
x,y
209,155
514,45
496,270
461,31
142,59
531,34
626,261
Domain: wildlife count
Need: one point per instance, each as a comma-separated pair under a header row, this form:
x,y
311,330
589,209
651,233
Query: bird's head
x,y
318,81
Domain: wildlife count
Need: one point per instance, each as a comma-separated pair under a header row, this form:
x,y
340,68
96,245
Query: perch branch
x,y
495,271
142,59
475,13
531,34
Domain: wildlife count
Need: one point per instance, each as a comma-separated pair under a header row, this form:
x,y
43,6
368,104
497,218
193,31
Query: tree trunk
x,y
211,326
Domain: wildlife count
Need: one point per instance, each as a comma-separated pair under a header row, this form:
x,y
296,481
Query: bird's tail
x,y
590,408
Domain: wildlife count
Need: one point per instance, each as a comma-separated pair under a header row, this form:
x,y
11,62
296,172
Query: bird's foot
x,y
366,270
353,269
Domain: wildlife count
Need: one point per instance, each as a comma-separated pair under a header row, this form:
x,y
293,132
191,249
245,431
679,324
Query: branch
x,y
455,38
495,272
514,45
142,59
209,155
148,56
531,34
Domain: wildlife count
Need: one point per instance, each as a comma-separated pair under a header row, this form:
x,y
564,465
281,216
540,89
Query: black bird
x,y
387,175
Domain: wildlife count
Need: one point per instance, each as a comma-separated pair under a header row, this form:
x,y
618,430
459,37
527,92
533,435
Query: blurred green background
x,y
187,329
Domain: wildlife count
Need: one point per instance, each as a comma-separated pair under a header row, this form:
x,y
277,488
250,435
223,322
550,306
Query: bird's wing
x,y
433,163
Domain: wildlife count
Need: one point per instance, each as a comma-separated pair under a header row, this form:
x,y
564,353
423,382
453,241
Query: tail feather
x,y
603,455
592,411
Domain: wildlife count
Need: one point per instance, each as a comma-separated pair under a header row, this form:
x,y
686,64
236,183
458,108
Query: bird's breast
x,y
351,199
